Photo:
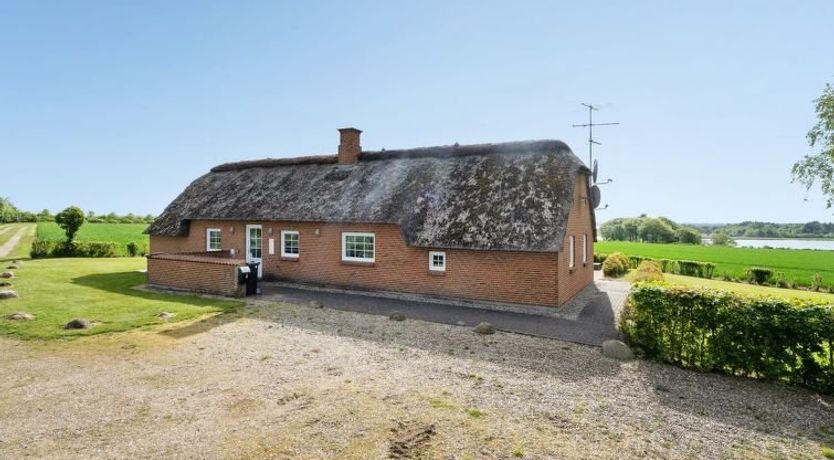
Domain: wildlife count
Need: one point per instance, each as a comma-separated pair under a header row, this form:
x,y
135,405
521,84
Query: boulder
x,y
316,304
12,267
484,329
20,316
616,349
8,295
79,323
7,275
166,315
396,316
6,284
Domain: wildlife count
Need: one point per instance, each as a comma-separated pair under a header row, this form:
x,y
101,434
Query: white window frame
x,y
345,258
208,239
284,233
572,252
432,267
585,248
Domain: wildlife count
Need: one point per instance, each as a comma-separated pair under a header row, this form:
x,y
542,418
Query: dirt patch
x,y
408,441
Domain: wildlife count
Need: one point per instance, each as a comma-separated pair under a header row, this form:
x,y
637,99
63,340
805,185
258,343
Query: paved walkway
x,y
593,325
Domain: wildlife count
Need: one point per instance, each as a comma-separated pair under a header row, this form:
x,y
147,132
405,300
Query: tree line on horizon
x,y
649,230
9,213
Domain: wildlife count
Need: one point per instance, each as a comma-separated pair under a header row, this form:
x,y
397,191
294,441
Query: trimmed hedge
x,y
43,249
759,275
708,330
615,265
695,268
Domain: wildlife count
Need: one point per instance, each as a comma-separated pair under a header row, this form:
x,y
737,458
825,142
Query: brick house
x,y
509,222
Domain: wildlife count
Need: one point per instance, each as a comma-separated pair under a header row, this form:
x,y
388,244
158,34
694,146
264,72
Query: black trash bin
x,y
252,279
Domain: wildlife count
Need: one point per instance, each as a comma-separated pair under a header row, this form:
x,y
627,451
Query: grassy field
x,y
101,290
121,234
747,289
798,265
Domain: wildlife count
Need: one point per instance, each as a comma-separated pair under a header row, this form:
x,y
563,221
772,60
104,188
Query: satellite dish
x,y
596,196
594,171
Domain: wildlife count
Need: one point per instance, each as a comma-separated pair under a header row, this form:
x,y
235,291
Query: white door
x,y
254,247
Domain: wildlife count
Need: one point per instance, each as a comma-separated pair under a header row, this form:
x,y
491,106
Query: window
x,y
213,241
289,243
357,247
437,261
572,252
584,248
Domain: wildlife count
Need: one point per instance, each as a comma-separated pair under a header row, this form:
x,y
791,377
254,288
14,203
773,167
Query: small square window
x,y
437,261
358,247
213,240
290,243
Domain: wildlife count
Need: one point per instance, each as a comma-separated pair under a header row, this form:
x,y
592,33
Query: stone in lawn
x,y
12,267
6,284
8,295
316,304
7,275
396,316
20,316
165,315
79,323
484,329
617,350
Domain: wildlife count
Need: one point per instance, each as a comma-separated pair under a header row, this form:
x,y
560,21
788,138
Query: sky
x,y
117,106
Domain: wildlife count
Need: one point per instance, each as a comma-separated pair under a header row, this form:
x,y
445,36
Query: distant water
x,y
827,245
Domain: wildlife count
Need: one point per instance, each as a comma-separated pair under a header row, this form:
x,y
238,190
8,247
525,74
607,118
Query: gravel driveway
x,y
291,381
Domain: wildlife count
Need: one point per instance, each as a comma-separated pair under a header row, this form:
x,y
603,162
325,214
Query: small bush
x,y
634,261
668,266
599,258
695,268
781,280
816,282
759,275
648,271
132,249
615,265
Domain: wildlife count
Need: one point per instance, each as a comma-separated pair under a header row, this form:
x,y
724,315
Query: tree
x,y
689,235
70,219
820,166
722,239
653,230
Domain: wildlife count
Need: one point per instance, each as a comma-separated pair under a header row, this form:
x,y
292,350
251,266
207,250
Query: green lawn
x,y
118,233
749,289
59,290
799,265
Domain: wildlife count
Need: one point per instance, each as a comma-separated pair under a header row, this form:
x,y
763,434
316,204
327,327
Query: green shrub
x,y
770,338
668,266
816,282
132,249
759,275
648,270
615,265
634,261
42,249
781,280
695,268
599,258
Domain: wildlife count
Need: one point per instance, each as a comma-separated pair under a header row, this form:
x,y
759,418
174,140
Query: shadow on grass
x,y
124,283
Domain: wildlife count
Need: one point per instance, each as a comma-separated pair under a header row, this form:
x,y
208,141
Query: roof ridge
x,y
439,151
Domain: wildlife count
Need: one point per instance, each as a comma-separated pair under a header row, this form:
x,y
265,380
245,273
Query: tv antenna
x,y
590,125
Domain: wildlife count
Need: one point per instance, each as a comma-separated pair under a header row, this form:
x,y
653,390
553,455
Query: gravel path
x,y
291,381
9,245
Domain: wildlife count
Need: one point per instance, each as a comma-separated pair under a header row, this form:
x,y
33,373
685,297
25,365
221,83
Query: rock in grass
x,y
79,323
316,304
20,316
13,267
7,275
166,315
8,295
617,350
484,329
6,284
396,316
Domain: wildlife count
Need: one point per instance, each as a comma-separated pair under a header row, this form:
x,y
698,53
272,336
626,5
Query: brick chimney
x,y
349,147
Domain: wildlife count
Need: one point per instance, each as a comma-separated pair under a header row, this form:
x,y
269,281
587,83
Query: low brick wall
x,y
210,273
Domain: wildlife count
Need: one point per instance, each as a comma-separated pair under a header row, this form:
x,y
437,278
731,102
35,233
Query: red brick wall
x,y
191,273
501,276
571,281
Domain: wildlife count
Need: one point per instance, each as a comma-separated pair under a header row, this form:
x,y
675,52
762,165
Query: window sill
x,y
437,273
357,263
289,259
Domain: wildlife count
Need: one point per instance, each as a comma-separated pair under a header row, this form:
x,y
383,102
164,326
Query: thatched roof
x,y
509,196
